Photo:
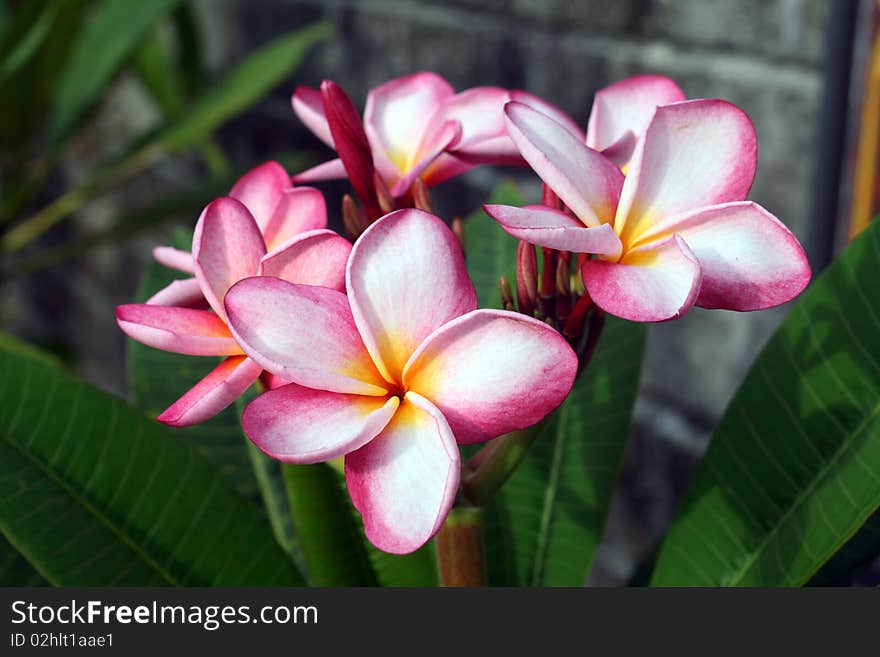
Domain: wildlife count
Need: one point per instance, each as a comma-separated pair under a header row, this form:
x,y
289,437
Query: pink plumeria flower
x,y
281,212
396,374
619,116
227,247
418,127
622,111
676,231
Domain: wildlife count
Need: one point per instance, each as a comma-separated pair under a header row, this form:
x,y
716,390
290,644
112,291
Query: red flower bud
x,y
526,278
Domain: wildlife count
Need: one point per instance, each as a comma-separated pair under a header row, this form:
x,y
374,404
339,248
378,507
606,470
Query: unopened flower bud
x,y
352,217
548,275
548,282
563,278
574,325
458,231
577,281
563,286
549,198
506,294
383,196
526,278
421,196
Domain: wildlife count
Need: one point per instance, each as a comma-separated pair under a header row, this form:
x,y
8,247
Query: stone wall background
x,y
765,56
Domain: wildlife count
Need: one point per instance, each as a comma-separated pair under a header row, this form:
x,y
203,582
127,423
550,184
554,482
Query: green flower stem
x,y
460,554
492,465
73,200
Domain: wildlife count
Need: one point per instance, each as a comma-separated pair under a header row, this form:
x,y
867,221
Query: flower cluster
x,y
376,351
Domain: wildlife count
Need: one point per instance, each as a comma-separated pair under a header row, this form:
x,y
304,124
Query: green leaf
x,y
15,569
93,493
854,556
29,43
159,74
32,85
158,378
793,470
544,526
490,252
108,38
162,78
190,48
329,534
247,83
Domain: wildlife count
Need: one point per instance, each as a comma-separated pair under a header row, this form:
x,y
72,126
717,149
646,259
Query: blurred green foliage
x,y
58,61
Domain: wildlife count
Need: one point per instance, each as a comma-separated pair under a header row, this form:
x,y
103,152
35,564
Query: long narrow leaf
x,y
241,88
27,46
15,569
107,39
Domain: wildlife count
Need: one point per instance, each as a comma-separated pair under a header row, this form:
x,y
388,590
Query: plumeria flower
x,y
281,211
418,127
619,116
396,374
228,246
677,230
622,111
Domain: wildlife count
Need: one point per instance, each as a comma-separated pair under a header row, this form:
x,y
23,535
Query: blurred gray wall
x,y
765,56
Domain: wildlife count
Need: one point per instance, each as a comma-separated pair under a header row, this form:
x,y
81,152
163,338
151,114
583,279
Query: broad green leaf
x,y
15,569
109,36
93,493
544,525
793,470
853,557
243,86
329,535
158,378
489,251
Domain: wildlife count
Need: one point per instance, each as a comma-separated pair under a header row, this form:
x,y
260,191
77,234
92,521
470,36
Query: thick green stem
x,y
460,554
492,465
